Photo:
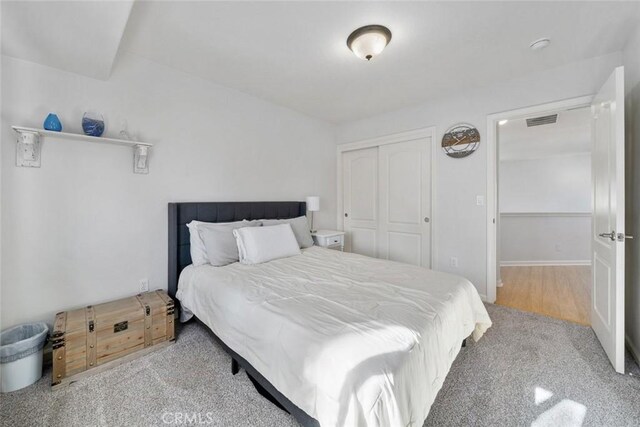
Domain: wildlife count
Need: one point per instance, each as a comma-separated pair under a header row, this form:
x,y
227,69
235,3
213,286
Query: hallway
x,y
563,292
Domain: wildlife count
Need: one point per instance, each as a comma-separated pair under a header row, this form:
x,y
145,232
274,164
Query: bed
x,y
333,338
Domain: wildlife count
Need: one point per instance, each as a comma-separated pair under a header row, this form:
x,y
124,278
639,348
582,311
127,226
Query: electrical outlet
x,y
453,262
480,200
144,285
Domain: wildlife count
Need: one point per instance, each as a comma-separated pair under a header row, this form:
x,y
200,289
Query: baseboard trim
x,y
632,349
543,263
545,214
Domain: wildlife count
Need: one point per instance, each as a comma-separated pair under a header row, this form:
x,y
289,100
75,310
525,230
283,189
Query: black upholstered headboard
x,y
180,214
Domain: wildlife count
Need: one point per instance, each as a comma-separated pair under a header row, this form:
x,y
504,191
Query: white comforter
x,y
349,339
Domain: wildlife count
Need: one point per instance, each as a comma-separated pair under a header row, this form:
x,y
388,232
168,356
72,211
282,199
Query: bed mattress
x,y
351,340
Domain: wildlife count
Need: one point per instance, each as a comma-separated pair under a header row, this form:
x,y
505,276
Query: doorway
x,y
608,234
544,213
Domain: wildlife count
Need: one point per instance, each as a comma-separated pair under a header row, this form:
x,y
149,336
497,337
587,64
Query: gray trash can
x,y
21,355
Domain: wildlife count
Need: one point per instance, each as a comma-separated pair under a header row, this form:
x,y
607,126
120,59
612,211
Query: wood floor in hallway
x,y
563,292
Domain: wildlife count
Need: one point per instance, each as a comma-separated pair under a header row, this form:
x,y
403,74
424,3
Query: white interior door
x,y
405,202
607,296
360,198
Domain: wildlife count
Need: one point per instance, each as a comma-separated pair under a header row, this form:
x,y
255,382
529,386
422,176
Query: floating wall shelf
x,y
28,149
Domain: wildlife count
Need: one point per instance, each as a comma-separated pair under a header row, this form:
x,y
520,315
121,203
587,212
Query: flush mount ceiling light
x,y
503,122
540,44
367,42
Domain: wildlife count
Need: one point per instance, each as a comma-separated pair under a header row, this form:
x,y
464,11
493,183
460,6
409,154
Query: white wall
x,y
545,239
544,205
631,60
84,229
460,225
551,184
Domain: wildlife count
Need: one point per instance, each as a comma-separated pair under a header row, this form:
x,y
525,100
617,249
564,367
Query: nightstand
x,y
329,239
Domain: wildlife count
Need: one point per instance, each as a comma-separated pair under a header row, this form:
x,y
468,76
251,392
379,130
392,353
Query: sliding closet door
x,y
404,192
360,192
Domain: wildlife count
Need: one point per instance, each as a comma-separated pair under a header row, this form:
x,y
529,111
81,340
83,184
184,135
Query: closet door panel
x,y
404,184
404,193
360,192
405,247
363,188
363,241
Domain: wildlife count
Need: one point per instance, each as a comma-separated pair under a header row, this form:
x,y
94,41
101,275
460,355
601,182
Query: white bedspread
x,y
349,339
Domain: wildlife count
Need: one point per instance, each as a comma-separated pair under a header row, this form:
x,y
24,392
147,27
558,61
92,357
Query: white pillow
x,y
197,247
220,243
300,227
261,244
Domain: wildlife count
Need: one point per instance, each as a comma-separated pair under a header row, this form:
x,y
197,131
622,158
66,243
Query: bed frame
x,y
180,214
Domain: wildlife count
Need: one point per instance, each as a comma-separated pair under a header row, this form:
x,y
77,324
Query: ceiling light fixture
x,y
540,44
503,122
367,42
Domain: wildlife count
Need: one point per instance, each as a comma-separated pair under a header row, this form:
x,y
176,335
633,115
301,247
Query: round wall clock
x,y
460,140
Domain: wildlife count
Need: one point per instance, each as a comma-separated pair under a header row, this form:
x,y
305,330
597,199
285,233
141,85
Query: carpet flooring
x,y
527,370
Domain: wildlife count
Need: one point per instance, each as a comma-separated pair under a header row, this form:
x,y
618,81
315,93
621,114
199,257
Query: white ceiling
x,y
81,37
294,53
571,134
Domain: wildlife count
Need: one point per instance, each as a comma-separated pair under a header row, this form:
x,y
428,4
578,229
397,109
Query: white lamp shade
x,y
313,203
369,45
368,41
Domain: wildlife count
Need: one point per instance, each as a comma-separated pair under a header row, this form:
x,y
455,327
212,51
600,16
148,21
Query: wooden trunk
x,y
91,339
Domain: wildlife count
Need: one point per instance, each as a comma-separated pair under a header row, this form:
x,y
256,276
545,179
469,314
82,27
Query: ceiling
x,y
81,37
294,53
571,134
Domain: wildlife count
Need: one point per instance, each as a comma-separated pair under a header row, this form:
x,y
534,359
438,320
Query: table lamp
x,y
313,205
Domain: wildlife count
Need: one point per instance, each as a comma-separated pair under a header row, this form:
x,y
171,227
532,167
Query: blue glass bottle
x,y
52,122
92,123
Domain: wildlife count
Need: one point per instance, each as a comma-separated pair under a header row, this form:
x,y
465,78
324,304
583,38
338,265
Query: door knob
x,y
620,237
611,235
346,215
426,219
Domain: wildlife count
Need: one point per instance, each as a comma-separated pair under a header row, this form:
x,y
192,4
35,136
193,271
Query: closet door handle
x,y
346,215
426,219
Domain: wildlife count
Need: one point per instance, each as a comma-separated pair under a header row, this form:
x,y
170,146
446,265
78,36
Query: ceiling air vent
x,y
543,120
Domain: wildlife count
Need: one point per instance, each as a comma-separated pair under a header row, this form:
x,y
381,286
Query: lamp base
x,y
311,228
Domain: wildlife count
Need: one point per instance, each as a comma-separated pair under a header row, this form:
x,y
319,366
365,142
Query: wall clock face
x,y
460,140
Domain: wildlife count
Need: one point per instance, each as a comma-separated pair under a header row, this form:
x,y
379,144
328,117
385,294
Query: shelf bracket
x,y
141,159
28,149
